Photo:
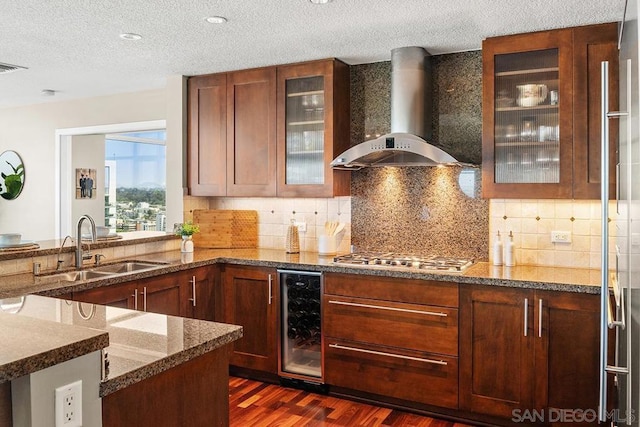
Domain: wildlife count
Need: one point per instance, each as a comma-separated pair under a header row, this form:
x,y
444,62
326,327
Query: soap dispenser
x,y
509,252
497,250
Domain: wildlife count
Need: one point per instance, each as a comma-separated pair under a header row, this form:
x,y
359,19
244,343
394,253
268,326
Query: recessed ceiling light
x,y
216,19
320,1
130,36
48,92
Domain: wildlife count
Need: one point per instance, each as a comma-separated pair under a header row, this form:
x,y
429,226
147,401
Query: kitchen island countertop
x,y
138,344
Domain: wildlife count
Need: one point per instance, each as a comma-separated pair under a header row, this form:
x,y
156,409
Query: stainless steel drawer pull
x,y
135,299
526,316
380,307
540,318
381,353
193,289
144,298
270,289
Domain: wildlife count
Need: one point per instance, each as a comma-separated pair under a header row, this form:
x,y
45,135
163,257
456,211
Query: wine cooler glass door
x,y
301,338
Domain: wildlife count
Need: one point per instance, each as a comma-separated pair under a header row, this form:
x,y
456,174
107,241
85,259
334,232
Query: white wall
x,y
30,131
87,152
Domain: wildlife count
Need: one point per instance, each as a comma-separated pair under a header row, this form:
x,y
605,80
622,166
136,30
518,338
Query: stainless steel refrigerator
x,y
620,373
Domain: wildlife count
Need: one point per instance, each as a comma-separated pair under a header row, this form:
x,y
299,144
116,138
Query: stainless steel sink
x,y
75,276
127,267
101,272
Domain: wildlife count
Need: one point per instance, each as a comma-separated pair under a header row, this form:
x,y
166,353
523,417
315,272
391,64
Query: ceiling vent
x,y
8,68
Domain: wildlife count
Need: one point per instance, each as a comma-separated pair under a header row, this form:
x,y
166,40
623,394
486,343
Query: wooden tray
x,y
226,228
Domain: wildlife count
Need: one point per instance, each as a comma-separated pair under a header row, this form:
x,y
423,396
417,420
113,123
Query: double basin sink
x,y
103,271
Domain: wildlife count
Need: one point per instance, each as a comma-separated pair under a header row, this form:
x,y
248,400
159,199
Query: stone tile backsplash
x,y
532,222
275,214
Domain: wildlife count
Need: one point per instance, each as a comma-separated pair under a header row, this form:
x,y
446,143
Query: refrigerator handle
x,y
604,256
606,312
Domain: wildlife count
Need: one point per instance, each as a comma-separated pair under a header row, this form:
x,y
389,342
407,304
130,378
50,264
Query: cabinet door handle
x,y
380,307
381,353
193,289
526,315
270,289
540,318
135,299
144,298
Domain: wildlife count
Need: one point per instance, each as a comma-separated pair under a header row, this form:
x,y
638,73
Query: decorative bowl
x,y
102,231
10,239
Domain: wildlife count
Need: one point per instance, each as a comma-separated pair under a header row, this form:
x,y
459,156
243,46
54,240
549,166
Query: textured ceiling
x,y
72,46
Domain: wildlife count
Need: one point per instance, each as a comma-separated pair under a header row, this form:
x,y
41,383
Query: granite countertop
x,y
52,247
32,344
482,273
142,344
138,344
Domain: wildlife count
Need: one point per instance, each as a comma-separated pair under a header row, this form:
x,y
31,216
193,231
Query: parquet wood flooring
x,y
256,404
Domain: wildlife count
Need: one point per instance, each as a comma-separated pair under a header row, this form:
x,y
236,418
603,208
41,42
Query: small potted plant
x,y
186,230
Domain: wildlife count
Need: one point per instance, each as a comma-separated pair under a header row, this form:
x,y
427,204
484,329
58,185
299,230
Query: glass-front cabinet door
x,y
305,124
527,126
313,128
527,113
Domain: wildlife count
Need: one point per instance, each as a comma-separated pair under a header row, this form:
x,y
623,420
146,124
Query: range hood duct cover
x,y
410,120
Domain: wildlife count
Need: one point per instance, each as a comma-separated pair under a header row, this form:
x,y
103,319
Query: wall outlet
x,y
69,405
560,237
635,239
302,226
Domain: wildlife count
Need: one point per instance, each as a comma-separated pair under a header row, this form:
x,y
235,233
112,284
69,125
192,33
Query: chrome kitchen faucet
x,y
80,256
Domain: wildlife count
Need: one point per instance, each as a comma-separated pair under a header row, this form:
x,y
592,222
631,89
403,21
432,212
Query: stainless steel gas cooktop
x,y
395,260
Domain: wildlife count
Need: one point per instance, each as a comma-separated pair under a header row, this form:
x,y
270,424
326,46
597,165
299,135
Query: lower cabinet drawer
x,y
424,328
413,376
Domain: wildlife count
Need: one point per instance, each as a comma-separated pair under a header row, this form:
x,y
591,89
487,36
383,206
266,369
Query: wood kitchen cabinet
x,y
269,131
313,128
160,294
207,142
251,132
401,341
120,295
250,299
170,294
527,350
202,293
232,133
541,112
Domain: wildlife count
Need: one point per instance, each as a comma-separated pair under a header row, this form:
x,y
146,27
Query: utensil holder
x,y
327,245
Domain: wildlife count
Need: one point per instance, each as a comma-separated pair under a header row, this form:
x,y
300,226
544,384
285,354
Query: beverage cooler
x,y
301,361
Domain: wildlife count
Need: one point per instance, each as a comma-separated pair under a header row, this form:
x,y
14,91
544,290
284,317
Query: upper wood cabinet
x,y
207,142
269,131
313,128
541,112
251,133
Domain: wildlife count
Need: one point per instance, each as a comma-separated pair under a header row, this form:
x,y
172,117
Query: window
x,y
135,181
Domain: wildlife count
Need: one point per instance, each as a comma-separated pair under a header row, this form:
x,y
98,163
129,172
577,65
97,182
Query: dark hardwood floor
x,y
256,404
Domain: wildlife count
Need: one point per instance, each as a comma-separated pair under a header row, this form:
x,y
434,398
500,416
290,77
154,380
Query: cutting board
x,y
226,228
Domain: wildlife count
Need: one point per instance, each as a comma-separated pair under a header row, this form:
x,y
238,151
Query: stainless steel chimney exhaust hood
x,y
410,111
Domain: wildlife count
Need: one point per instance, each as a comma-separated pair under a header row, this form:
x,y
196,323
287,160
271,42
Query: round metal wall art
x,y
12,175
